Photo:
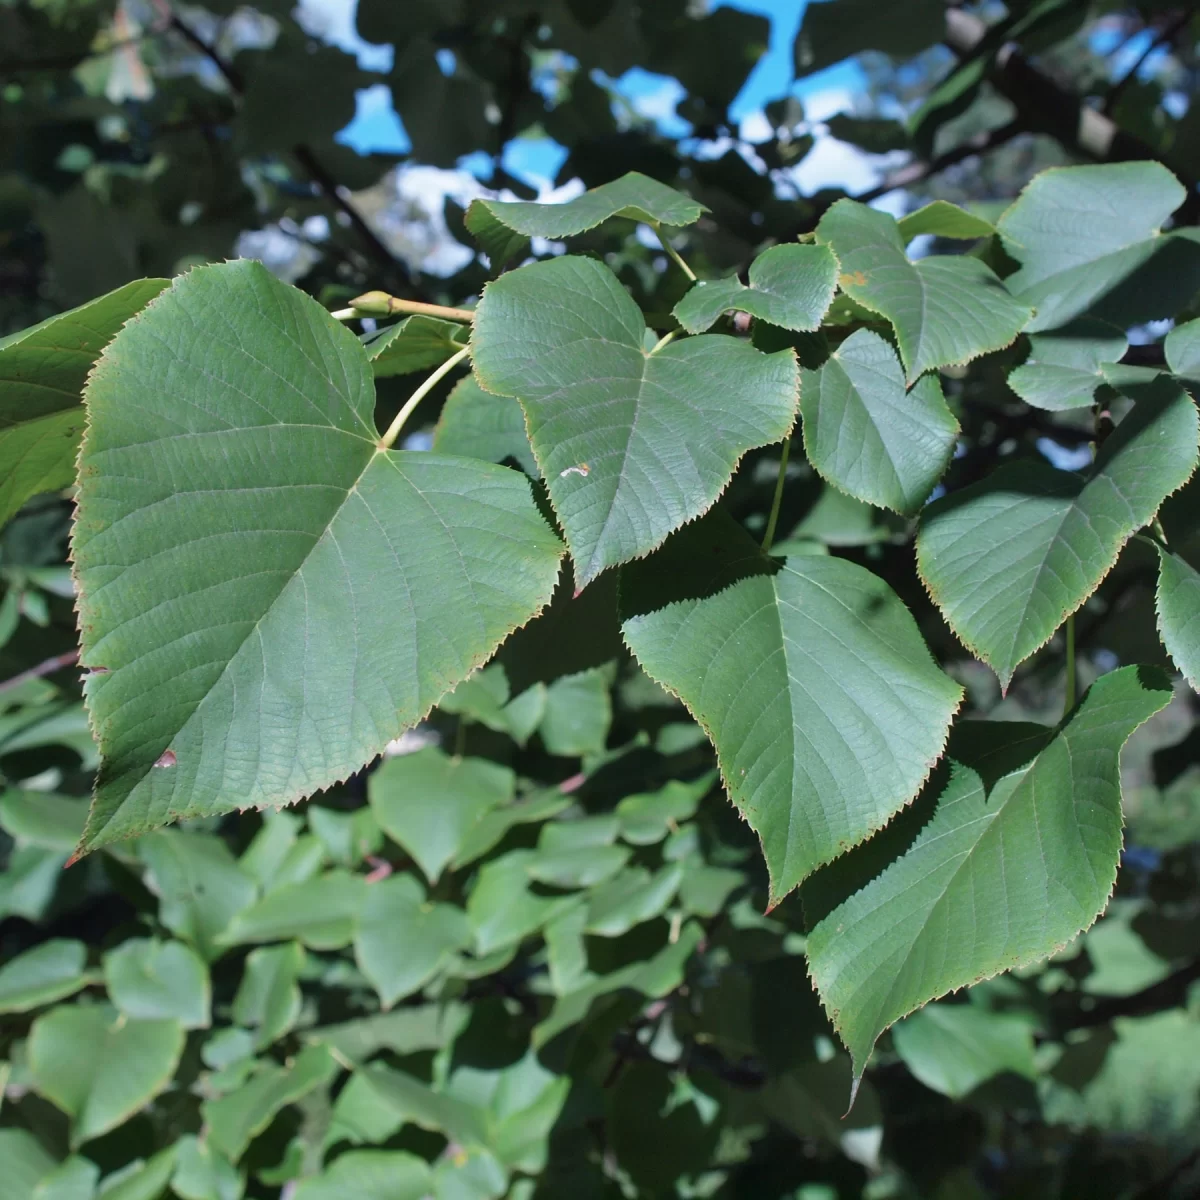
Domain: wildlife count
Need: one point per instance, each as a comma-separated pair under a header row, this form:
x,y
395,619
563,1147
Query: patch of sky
x,y
1065,458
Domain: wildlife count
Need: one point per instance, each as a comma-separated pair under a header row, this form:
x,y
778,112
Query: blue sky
x,y
376,127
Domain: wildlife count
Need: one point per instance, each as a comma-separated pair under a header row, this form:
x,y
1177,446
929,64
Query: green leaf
x,y
403,1098
1182,347
204,1173
26,1163
199,885
492,826
578,714
953,1048
369,1175
282,556
790,286
634,195
74,1179
50,971
475,424
1089,240
503,909
403,1031
236,1119
28,882
428,801
151,980
99,1067
1009,558
1177,602
417,343
810,677
1063,369
403,940
875,135
1008,855
946,310
495,239
268,997
868,435
140,1180
631,897
646,817
830,32
42,818
322,913
1145,1081
945,220
42,372
348,838
632,443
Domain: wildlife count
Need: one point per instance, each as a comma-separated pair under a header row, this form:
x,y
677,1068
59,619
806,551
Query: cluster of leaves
x,y
537,963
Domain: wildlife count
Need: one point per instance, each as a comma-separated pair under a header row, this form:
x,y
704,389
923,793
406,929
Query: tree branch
x,y
1045,107
304,155
58,663
1167,35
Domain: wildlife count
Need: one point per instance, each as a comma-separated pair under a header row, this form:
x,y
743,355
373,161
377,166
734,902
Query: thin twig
x,y
303,154
1167,35
48,667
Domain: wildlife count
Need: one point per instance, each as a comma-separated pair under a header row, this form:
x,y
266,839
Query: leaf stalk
x,y
673,253
393,430
777,499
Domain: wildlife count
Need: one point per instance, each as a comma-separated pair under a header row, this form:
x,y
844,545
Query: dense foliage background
x,y
588,999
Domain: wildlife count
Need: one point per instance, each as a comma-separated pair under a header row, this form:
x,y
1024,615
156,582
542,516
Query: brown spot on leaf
x,y
856,278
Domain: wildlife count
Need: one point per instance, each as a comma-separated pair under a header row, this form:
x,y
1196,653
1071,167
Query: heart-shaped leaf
x,y
1178,604
429,801
790,286
632,442
867,434
810,677
946,310
1089,241
98,1066
272,596
151,980
402,939
42,373
1009,558
1009,853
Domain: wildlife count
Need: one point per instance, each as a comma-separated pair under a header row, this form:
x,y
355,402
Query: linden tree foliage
x,y
555,696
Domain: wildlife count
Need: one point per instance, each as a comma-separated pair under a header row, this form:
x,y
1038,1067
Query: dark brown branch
x,y
58,663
